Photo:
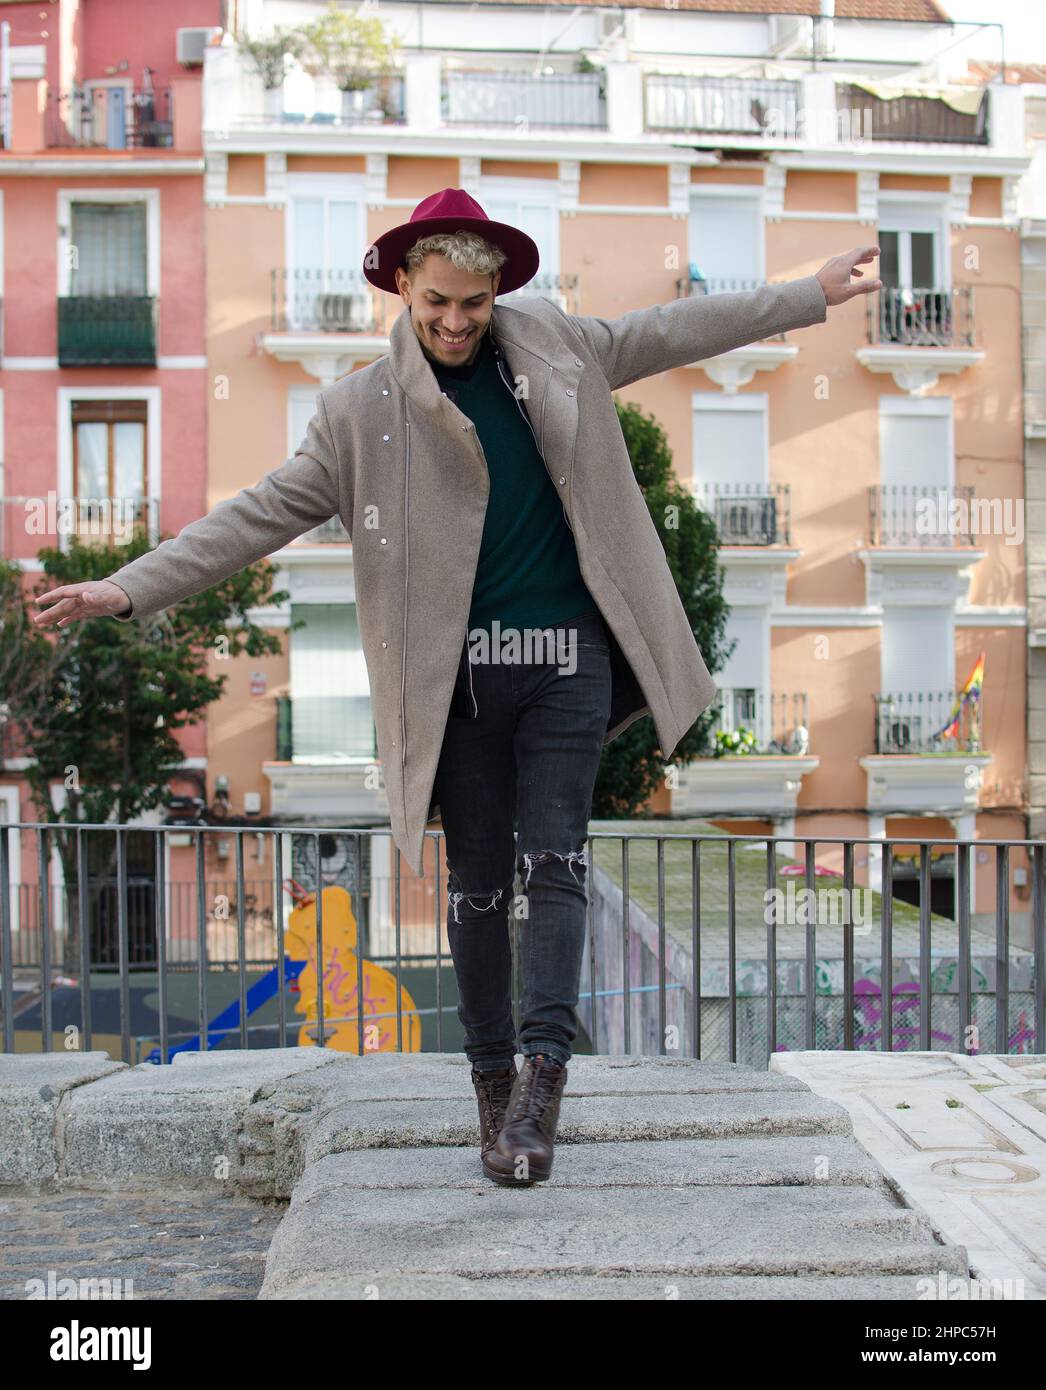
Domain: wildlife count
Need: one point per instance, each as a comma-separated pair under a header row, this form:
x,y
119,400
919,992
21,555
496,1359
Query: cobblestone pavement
x,y
175,1245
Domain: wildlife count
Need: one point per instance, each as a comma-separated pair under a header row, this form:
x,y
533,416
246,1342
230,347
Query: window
x,y
915,301
110,467
326,239
533,206
109,249
726,240
331,717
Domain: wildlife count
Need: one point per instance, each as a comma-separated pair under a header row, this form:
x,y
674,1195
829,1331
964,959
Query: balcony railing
x,y
563,290
306,299
31,524
693,936
696,286
563,101
318,107
722,105
915,515
751,720
919,721
114,118
912,118
747,513
325,729
116,330
921,317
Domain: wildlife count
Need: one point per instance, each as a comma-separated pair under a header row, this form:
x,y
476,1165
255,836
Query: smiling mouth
x,y
452,341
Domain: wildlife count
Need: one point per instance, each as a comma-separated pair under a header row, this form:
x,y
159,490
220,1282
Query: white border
x,y
149,196
152,396
755,192
10,795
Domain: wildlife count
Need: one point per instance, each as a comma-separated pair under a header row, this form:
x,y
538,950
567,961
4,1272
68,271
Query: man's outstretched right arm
x,y
300,494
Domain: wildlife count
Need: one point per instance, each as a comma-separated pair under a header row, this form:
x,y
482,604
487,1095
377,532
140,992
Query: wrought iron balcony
x,y
31,524
325,729
927,722
722,105
916,515
559,289
308,299
107,330
747,513
561,100
114,118
750,720
920,317
912,118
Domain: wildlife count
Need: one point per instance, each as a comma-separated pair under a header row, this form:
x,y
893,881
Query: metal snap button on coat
x,y
384,390
578,362
386,438
570,393
562,480
384,644
384,541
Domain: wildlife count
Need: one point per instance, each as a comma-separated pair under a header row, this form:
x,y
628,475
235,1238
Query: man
x,y
482,475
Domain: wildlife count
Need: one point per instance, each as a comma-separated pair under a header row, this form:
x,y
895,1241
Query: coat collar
x,y
523,333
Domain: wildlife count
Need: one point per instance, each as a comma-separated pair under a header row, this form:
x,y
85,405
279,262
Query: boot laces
x,y
535,1090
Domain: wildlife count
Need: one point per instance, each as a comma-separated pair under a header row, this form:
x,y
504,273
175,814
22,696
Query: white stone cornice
x,y
376,178
868,195
941,783
756,576
679,187
756,783
774,191
959,197
918,369
737,368
325,356
216,176
569,185
899,577
276,176
469,171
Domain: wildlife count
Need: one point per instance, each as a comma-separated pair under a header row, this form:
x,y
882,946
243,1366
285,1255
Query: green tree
x,y
95,706
351,48
633,766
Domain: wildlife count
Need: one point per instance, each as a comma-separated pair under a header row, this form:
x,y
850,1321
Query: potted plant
x,y
735,741
268,56
351,50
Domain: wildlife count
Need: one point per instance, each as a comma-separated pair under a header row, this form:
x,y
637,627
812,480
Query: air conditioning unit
x,y
791,35
610,24
190,44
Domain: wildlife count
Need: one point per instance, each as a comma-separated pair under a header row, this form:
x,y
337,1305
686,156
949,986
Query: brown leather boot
x,y
493,1089
522,1153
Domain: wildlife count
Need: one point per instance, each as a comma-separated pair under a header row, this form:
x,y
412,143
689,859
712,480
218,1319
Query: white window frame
x,y
901,212
152,397
546,191
754,192
329,187
749,402
9,794
149,196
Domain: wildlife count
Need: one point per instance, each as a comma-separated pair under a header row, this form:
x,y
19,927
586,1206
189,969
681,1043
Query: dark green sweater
x,y
528,574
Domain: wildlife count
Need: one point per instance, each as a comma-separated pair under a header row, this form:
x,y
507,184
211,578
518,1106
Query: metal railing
x,y
563,290
727,105
752,720
920,317
107,330
109,117
927,721
561,100
911,117
913,515
696,946
747,513
31,524
311,299
382,103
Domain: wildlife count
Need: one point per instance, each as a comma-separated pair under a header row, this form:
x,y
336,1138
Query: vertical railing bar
x,y
962,872
731,948
201,942
810,1000
695,940
43,875
626,961
771,949
159,852
82,910
925,945
1002,949
661,1009
281,949
886,949
7,953
439,946
590,853
848,948
320,958
357,906
1038,924
399,957
124,945
241,936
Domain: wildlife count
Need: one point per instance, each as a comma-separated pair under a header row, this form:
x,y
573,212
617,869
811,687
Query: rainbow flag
x,y
970,691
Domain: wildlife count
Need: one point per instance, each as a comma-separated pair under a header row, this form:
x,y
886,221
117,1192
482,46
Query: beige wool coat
x,y
403,468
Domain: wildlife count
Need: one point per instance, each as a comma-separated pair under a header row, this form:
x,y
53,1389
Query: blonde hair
x,y
464,249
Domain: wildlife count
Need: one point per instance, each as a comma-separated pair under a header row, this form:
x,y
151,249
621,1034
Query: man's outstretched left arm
x,y
647,341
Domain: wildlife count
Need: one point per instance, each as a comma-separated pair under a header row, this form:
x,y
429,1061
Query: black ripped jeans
x,y
520,752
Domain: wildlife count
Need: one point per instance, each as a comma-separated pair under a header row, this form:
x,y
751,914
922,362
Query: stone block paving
x,y
173,1244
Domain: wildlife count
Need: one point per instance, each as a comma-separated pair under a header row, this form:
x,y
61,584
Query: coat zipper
x,y
530,427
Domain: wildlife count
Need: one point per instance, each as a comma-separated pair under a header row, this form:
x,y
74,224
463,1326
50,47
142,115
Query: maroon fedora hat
x,y
450,210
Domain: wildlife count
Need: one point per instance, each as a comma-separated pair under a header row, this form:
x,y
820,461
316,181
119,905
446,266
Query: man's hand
x,y
95,598
834,275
